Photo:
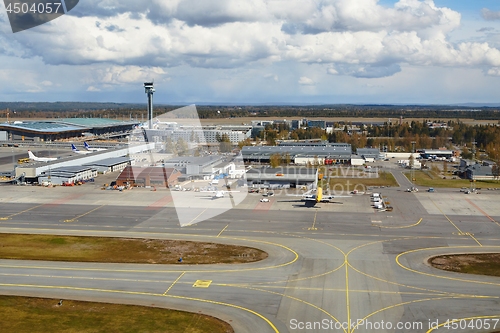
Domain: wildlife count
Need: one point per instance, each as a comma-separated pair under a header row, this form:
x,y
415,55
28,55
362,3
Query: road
x,y
328,266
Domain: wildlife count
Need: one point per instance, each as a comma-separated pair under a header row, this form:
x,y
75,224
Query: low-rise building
x,y
149,176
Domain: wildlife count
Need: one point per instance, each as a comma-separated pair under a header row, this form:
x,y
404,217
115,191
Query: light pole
x,y
412,170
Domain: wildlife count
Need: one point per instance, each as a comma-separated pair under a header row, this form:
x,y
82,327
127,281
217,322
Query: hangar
x,y
299,154
283,177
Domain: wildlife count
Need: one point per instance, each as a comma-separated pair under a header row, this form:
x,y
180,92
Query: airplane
x,y
312,199
40,159
75,150
218,194
88,148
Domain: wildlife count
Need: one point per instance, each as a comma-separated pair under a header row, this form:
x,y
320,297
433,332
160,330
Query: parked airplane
x,y
88,148
219,194
312,199
40,159
75,150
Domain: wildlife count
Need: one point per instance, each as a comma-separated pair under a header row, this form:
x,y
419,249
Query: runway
x,y
338,268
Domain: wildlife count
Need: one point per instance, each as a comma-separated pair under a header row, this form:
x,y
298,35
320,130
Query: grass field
x,y
482,263
29,315
431,179
122,250
360,184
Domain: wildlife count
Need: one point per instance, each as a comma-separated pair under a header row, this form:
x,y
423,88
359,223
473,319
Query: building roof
x,y
43,126
131,173
283,173
94,122
266,151
479,170
109,162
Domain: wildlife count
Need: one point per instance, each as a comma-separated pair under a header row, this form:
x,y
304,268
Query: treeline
x,y
135,111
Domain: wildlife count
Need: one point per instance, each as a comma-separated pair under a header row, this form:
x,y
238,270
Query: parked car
x,y
264,200
431,189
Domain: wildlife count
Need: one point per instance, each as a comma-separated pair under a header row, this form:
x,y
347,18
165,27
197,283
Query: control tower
x,y
149,88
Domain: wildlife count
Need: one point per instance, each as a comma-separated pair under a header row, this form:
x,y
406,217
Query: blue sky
x,y
260,51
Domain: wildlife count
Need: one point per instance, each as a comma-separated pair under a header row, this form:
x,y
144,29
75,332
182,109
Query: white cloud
x,y
359,38
495,71
93,89
490,15
306,81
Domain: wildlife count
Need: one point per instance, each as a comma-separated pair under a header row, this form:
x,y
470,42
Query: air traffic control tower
x,y
149,88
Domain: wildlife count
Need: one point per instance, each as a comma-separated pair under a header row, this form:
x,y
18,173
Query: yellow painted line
x,y
314,222
82,215
403,227
19,213
173,283
295,299
474,238
220,233
482,211
398,305
461,233
146,294
296,257
346,262
439,276
392,282
464,319
202,283
192,221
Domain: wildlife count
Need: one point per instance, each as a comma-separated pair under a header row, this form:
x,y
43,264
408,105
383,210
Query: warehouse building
x,y
149,176
284,177
67,175
338,153
110,164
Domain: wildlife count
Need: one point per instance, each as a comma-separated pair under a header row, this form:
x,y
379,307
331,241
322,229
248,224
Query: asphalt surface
x,y
328,266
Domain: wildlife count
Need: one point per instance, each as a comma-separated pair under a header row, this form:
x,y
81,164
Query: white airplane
x,y
219,194
40,159
75,150
88,148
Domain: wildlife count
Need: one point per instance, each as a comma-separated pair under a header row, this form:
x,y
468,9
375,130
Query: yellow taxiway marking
x,y
220,233
314,222
173,283
202,283
439,276
19,213
467,321
402,227
482,211
192,221
82,215
295,299
460,232
146,294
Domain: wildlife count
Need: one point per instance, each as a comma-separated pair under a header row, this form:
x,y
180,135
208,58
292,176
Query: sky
x,y
258,52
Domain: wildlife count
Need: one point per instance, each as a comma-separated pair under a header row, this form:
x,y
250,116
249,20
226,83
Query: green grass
x,y
30,315
360,184
122,250
430,179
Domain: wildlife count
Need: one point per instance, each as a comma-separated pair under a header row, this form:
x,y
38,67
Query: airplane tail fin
x,y
31,155
73,147
86,145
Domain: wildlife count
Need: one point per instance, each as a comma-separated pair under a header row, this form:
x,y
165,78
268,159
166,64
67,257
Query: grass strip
x,y
30,315
122,250
480,263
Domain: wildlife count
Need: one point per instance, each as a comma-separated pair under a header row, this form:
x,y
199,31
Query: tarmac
x,y
339,263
